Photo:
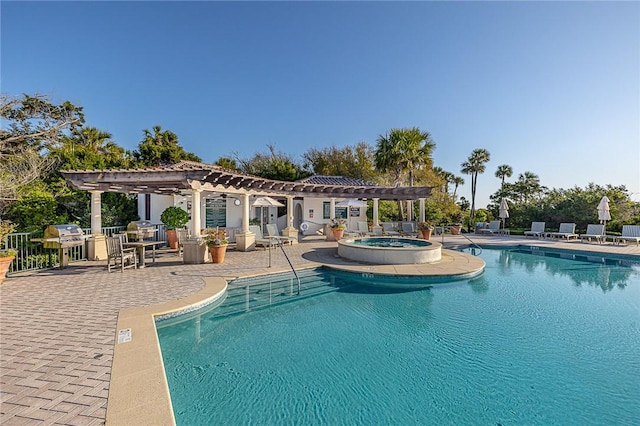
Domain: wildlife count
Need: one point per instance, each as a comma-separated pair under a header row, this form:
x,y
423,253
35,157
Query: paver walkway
x,y
57,327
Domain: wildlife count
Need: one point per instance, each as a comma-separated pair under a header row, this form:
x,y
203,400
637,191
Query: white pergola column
x,y
196,223
96,212
290,231
332,208
422,217
376,228
97,245
245,240
409,210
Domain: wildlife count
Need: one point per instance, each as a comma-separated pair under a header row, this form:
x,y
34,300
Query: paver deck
x,y
58,327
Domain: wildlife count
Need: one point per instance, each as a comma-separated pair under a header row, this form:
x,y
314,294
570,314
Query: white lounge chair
x,y
407,228
363,229
567,230
629,233
260,239
593,231
272,231
388,228
537,230
492,228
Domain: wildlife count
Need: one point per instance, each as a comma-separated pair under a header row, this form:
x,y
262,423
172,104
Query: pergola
x,y
188,177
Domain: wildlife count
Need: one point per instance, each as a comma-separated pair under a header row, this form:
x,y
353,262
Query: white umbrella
x,y
603,211
265,202
351,202
504,211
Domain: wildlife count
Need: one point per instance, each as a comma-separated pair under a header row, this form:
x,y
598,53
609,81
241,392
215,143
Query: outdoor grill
x,y
63,237
140,230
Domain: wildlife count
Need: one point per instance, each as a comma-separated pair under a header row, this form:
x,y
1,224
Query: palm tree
x,y
503,171
528,185
475,165
403,150
457,181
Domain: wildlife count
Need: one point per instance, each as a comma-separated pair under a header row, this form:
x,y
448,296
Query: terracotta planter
x,y
5,262
426,233
337,233
217,253
456,229
172,238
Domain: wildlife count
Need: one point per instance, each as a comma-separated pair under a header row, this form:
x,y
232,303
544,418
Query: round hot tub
x,y
390,250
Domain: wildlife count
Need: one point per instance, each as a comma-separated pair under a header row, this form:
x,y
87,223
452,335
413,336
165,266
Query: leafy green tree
x,y
474,166
161,148
227,163
273,165
351,161
36,210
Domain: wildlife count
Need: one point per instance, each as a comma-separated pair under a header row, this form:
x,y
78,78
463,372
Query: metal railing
x,y
468,239
32,256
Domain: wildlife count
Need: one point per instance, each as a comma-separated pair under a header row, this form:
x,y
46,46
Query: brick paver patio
x,y
57,327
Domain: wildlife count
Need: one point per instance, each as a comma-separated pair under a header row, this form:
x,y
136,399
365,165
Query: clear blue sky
x,y
547,87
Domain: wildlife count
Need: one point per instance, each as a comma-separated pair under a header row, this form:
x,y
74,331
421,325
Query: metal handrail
x,y
279,243
468,239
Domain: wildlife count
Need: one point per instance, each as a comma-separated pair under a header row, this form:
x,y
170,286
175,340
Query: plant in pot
x,y
456,228
173,217
6,255
425,228
217,242
338,225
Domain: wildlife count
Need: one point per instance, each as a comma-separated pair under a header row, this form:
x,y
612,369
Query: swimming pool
x,y
389,250
539,338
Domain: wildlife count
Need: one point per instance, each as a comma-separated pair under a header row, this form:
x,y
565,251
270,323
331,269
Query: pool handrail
x,y
468,239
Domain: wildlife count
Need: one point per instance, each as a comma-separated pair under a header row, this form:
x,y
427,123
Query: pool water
x,y
539,338
390,242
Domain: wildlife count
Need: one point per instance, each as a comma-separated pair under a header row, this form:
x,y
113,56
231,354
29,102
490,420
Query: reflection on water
x,y
593,269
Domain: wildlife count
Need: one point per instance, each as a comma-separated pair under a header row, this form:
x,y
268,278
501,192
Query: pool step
x,y
263,294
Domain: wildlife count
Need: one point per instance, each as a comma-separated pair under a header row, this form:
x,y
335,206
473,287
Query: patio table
x,y
141,246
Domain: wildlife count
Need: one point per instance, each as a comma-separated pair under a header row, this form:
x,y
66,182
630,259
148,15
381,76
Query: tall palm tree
x,y
503,171
457,181
403,150
475,165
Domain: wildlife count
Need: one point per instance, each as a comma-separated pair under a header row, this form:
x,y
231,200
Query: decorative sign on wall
x,y
215,212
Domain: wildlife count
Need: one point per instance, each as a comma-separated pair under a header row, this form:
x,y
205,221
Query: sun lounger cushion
x,y
629,233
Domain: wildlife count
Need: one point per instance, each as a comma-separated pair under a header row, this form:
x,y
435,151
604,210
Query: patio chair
x,y
127,257
363,229
537,230
492,228
388,228
593,231
272,231
260,239
629,233
183,235
407,228
567,230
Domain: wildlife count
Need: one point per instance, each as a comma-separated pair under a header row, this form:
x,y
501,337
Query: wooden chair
x,y
183,235
126,256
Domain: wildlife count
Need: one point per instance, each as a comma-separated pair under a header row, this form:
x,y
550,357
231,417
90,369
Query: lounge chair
x,y
629,233
363,229
537,230
260,239
127,257
388,228
493,228
567,230
272,231
407,228
593,231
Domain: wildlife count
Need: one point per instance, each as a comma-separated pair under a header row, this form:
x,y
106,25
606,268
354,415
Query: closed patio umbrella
x,y
503,213
603,211
265,202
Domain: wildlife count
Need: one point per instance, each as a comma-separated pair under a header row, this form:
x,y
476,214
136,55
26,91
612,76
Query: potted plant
x,y
6,255
425,228
456,228
217,242
173,217
338,225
